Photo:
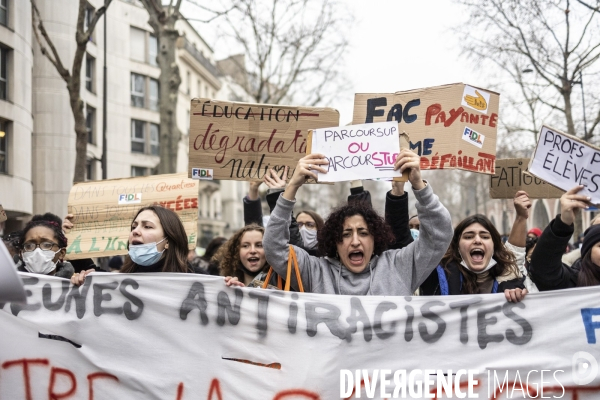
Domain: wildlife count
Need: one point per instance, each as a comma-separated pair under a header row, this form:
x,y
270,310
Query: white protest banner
x,y
103,211
366,151
566,161
451,126
181,336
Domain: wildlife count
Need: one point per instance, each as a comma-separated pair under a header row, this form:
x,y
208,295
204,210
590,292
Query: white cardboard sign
x,y
366,151
566,161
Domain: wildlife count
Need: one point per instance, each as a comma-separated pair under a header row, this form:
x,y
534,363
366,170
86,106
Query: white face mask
x,y
309,237
489,266
40,261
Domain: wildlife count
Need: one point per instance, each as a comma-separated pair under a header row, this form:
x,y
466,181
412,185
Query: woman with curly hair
x,y
354,240
477,262
242,257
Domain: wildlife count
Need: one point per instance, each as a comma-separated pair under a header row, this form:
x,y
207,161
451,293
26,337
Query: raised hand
x,y
410,160
571,202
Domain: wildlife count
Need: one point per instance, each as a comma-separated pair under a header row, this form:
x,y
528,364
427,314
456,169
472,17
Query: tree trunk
x,y
169,80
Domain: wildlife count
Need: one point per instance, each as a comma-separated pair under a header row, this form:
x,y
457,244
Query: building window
x,y
90,65
138,136
138,90
89,170
3,147
90,123
154,139
153,50
153,101
189,83
138,171
87,19
4,12
3,73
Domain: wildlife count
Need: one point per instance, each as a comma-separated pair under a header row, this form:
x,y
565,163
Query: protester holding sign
x,y
42,246
354,240
157,243
476,262
547,270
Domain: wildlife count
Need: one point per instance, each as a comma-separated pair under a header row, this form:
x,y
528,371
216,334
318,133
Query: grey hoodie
x,y
394,273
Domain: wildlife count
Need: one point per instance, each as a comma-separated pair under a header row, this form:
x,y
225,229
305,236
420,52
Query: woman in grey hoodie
x,y
354,240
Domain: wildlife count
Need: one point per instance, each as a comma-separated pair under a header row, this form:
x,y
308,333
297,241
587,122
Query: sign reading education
x,y
366,151
566,161
185,336
450,127
103,211
510,178
242,141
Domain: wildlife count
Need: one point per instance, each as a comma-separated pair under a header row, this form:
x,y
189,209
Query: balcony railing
x,y
189,47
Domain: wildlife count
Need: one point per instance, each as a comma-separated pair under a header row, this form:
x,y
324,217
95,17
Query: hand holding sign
x,y
478,102
571,202
411,161
274,181
304,171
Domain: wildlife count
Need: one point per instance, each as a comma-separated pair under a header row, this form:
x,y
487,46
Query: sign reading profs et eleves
x,y
242,141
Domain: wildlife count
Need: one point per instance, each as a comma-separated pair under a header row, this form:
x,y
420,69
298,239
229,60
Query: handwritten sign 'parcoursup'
x,y
104,210
366,151
242,141
450,127
566,161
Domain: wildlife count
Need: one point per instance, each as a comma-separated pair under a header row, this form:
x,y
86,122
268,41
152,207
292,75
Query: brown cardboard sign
x,y
450,127
3,216
104,210
242,141
511,176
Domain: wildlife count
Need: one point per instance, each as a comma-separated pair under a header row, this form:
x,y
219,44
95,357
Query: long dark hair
x,y
505,259
589,275
175,257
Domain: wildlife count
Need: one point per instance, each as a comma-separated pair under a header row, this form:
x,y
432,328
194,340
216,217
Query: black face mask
x,y
248,272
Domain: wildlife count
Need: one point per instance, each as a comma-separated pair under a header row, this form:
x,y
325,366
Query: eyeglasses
x,y
309,225
30,246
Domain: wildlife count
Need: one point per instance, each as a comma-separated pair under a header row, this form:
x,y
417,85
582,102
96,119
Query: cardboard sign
x,y
566,161
186,337
451,126
242,141
510,177
366,151
3,216
104,211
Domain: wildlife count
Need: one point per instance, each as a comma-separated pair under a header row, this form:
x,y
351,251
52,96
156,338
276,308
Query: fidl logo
x,y
473,137
134,198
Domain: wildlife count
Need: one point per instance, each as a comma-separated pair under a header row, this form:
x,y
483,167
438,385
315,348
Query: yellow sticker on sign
x,y
475,99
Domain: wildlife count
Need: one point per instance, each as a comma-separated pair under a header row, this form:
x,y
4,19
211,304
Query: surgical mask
x,y
414,233
40,261
309,237
145,254
489,266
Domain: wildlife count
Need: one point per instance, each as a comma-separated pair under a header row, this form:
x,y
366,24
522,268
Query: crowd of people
x,y
354,251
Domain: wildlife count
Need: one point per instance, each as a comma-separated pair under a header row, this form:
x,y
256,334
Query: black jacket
x,y
431,286
546,269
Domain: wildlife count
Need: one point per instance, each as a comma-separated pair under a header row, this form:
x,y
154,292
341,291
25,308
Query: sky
x,y
394,45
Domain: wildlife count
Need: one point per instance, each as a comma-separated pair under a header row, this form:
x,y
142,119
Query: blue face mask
x,y
414,233
145,254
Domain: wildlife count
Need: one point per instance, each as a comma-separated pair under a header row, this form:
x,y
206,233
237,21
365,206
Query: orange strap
x,y
292,260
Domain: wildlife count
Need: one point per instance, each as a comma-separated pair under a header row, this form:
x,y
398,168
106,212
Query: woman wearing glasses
x,y
43,245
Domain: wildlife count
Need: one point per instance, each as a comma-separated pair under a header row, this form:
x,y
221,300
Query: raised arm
x,y
396,215
547,270
252,205
518,232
